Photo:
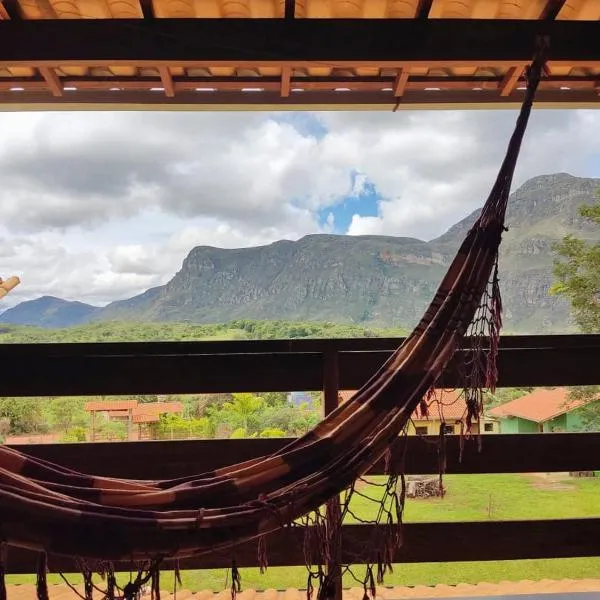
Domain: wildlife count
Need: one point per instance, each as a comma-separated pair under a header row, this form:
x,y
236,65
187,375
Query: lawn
x,y
468,498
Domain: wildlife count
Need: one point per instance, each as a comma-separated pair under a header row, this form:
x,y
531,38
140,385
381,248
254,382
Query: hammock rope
x,y
101,520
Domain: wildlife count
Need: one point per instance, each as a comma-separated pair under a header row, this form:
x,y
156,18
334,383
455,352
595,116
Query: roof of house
x,y
107,66
117,408
461,590
110,405
445,405
539,406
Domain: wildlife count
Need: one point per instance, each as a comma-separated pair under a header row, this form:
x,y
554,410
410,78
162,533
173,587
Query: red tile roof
x,y
445,405
159,408
110,405
539,406
139,417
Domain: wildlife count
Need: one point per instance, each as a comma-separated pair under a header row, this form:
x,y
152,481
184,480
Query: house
x,y
130,412
543,410
446,408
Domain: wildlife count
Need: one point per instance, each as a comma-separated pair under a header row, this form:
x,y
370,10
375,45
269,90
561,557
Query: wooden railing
x,y
291,365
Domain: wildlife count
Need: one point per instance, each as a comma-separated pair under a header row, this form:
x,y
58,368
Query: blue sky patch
x,y
305,124
363,200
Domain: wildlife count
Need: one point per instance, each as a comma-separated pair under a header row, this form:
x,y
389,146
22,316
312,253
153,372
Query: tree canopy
x,y
577,273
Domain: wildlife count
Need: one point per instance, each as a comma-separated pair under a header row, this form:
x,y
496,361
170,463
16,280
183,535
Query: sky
x,y
101,206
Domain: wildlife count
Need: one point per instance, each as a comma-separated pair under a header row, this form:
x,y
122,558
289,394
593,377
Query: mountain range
x,y
378,280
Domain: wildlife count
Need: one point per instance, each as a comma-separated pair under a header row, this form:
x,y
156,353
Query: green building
x,y
543,410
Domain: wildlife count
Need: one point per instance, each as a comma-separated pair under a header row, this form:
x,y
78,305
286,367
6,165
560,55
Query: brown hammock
x,y
56,510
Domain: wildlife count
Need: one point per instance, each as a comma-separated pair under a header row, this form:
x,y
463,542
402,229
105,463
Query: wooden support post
x,y
331,373
93,416
129,423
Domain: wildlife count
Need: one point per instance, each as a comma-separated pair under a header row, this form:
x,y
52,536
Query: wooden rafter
x,y
510,80
167,81
244,42
400,82
286,81
52,81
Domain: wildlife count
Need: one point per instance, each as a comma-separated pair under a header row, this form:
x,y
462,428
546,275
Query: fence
x,y
329,365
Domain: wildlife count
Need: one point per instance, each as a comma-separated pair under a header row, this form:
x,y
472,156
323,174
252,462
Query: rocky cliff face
x,y
380,280
384,281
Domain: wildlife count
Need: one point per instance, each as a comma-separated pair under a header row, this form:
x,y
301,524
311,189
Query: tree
x,y
577,273
67,412
25,414
244,408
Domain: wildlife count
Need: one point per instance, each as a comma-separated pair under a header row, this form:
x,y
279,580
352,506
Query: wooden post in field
x,y
330,403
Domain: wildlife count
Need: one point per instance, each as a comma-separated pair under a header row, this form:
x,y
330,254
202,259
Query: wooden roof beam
x,y
52,81
167,81
290,9
423,9
9,10
552,8
352,42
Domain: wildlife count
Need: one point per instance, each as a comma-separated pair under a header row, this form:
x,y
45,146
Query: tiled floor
x,y
565,586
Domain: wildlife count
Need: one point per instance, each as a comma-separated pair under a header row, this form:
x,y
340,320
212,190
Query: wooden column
x,y
330,403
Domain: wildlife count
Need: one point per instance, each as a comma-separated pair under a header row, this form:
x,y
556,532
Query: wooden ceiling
x,y
293,54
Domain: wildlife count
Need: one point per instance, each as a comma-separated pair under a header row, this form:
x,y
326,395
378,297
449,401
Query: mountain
x,y
48,311
379,280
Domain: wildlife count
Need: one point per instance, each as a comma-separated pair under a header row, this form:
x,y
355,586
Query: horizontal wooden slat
x,y
177,368
318,345
506,453
423,542
267,41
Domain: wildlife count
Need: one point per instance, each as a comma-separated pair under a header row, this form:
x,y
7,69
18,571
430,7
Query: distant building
x,y
542,410
447,408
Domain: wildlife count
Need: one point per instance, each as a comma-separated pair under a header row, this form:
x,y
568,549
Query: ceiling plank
x,y
400,82
52,81
355,42
510,80
167,81
286,81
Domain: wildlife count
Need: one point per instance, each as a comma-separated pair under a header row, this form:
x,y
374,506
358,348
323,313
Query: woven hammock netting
x,y
102,521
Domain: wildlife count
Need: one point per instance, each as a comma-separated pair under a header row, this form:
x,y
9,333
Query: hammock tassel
x,y
3,552
41,587
263,558
236,581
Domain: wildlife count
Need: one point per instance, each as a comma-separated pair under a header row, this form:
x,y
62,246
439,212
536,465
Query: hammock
x,y
98,520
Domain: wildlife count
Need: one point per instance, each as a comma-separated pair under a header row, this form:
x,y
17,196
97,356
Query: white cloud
x,y
100,206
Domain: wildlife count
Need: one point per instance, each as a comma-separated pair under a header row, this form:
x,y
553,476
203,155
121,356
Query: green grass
x,y
468,498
